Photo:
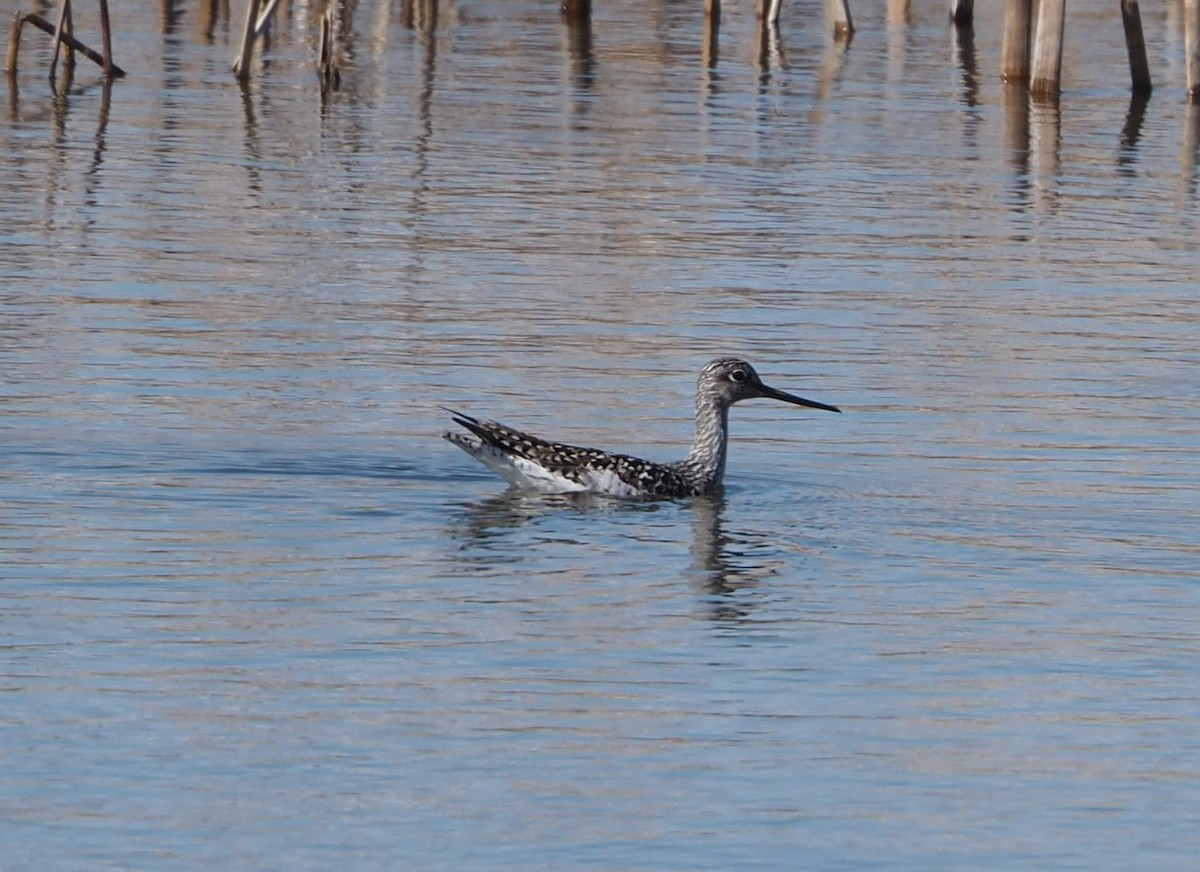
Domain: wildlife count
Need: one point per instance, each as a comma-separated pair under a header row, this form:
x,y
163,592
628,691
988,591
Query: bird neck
x,y
712,431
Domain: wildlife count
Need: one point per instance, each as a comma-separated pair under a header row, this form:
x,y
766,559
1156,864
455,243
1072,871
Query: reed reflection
x,y
64,94
101,144
252,145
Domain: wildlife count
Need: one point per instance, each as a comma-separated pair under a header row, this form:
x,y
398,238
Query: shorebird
x,y
529,463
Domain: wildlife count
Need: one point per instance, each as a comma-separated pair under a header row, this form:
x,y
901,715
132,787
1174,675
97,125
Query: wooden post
x,y
256,23
1014,62
241,66
65,25
106,36
1191,42
843,24
327,63
14,44
962,12
1047,48
1135,43
264,17
48,28
772,12
712,33
577,10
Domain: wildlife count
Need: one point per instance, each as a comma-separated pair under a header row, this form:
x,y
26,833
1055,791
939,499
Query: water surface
x,y
258,615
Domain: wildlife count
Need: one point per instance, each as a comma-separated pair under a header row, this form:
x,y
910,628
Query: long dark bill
x,y
799,401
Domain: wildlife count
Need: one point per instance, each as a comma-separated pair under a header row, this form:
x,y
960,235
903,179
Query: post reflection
x,y
1131,133
1045,150
771,54
1016,140
963,40
208,14
169,13
582,56
1190,146
828,74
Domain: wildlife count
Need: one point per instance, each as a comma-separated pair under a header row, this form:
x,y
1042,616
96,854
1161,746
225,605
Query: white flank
x,y
527,475
605,481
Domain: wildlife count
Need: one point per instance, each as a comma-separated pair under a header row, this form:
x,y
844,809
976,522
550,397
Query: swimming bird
x,y
529,463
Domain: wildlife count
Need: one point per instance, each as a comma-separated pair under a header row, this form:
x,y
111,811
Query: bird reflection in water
x,y
724,565
725,568
499,515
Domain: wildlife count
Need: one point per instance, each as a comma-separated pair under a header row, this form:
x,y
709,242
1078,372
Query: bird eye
x,y
738,375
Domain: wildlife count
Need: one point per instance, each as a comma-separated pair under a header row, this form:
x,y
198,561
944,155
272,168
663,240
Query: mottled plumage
x,y
530,463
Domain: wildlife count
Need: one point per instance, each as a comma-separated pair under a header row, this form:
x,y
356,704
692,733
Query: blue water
x,y
256,614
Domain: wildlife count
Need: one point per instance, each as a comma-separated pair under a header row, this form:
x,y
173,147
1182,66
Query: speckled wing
x,y
592,470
